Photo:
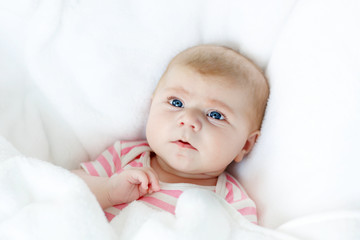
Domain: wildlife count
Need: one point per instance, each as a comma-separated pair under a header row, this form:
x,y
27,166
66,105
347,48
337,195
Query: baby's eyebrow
x,y
180,90
221,105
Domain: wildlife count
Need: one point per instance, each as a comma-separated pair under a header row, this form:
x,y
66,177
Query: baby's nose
x,y
191,119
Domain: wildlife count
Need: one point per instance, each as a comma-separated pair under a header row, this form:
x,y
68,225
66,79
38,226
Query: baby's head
x,y
227,67
206,110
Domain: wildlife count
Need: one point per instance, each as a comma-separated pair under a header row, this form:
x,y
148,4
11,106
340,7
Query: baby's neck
x,y
165,176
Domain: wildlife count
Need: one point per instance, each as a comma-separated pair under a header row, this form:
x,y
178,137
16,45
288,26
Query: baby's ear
x,y
250,142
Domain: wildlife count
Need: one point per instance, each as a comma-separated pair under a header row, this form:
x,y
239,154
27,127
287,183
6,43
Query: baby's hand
x,y
131,184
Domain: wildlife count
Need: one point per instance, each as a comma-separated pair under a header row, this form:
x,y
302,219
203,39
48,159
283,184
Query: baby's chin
x,y
191,172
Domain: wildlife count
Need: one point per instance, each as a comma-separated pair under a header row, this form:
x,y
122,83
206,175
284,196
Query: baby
x,y
205,113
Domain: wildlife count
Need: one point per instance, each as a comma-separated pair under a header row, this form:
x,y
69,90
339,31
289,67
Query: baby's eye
x,y
176,103
216,115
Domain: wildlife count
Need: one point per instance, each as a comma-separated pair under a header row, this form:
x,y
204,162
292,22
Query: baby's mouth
x,y
184,144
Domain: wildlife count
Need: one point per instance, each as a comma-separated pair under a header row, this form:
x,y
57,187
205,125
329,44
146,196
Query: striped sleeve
x,y
106,164
237,197
115,158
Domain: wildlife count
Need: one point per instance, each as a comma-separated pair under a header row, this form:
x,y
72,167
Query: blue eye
x,y
176,103
216,115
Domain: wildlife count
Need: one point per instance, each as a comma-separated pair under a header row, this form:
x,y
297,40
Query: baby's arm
x,y
120,188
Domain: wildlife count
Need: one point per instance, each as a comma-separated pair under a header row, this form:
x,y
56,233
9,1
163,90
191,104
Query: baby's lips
x,y
184,144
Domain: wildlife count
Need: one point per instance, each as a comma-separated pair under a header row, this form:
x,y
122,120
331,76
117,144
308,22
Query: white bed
x,y
77,75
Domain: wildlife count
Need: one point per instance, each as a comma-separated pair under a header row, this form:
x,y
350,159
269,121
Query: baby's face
x,y
198,125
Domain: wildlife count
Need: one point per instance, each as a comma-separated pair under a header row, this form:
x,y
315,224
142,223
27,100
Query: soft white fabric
x,y
77,75
327,225
307,159
41,201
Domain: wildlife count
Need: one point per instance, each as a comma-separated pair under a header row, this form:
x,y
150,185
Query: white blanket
x,y
42,201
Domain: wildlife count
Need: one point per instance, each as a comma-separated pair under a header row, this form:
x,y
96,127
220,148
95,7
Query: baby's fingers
x,y
146,179
153,181
140,178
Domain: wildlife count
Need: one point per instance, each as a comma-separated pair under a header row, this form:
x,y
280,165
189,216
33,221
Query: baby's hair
x,y
223,61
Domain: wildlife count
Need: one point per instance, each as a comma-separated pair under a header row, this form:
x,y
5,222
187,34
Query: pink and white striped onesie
x,y
129,154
